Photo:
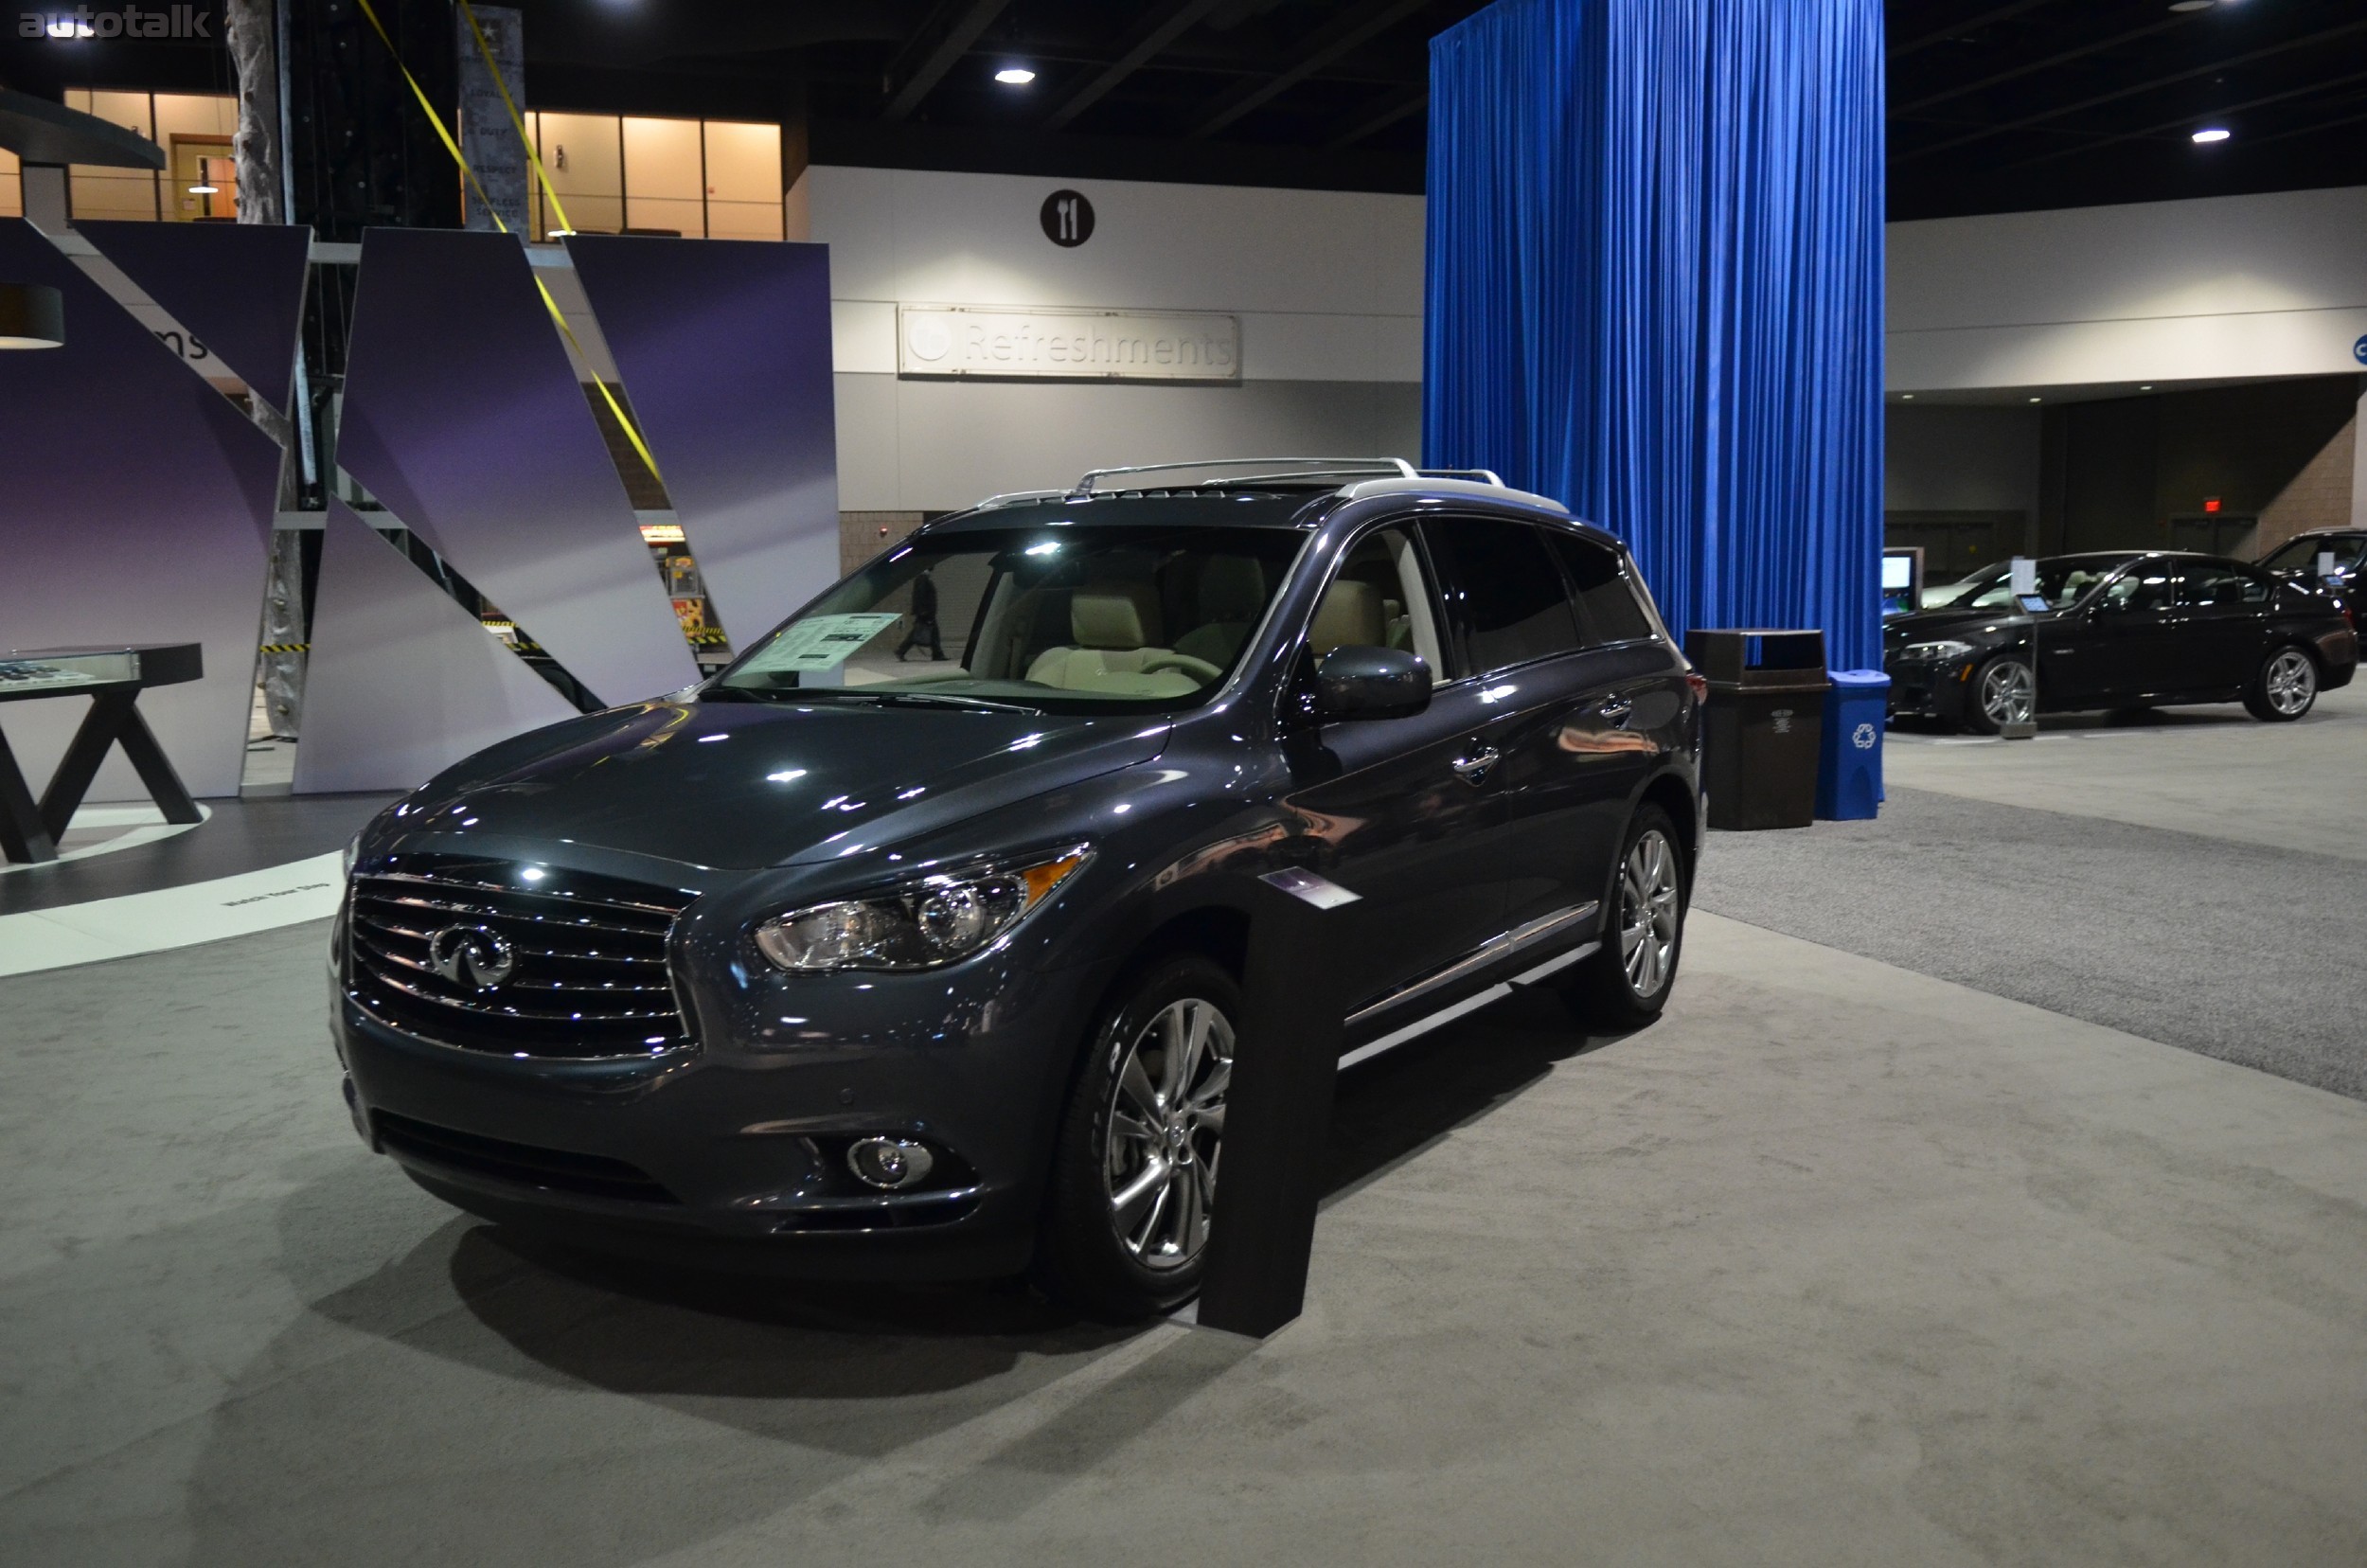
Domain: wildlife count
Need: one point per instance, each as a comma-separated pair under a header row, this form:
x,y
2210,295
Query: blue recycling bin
x,y
1849,774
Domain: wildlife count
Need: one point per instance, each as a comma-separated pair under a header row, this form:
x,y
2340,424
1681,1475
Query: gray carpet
x,y
2253,954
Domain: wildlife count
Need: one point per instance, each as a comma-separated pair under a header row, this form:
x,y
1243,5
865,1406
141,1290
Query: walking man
x,y
924,632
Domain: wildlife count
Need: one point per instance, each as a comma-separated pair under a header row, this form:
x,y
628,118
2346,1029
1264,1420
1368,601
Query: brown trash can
x,y
1764,725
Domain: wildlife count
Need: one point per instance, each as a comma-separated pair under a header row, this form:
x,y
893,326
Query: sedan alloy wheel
x,y
2006,692
2291,683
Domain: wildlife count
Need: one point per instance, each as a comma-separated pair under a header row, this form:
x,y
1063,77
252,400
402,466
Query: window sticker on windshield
x,y
819,642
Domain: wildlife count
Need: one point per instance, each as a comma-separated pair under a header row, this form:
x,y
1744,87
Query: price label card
x,y
820,642
2024,572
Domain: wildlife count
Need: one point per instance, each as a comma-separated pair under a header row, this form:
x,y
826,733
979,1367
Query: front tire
x,y
1625,985
2284,688
2001,692
1127,1218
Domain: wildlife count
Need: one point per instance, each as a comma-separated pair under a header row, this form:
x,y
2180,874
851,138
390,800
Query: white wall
x,y
1327,286
2233,286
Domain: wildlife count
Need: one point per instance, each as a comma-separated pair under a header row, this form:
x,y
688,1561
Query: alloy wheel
x,y
2291,683
1647,913
1165,1124
2006,692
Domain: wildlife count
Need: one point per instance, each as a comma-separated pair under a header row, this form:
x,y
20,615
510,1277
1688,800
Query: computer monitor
x,y
1902,580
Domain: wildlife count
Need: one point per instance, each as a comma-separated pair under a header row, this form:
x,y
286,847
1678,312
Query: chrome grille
x,y
585,956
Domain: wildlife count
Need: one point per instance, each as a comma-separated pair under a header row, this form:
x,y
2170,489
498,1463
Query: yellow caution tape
x,y
285,648
631,433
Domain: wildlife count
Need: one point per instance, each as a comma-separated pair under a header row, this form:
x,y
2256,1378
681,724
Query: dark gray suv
x,y
886,953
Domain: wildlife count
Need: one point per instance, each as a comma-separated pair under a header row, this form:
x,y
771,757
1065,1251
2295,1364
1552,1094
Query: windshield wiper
x,y
947,699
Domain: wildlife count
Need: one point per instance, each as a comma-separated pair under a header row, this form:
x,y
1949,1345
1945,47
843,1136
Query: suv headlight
x,y
1935,652
928,922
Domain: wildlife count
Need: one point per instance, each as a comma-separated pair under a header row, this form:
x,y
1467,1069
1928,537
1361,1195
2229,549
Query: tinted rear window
x,y
1503,590
1603,591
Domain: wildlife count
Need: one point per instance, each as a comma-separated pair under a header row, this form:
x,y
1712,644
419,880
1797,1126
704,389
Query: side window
x,y
2143,586
2217,583
1503,591
1381,598
1606,601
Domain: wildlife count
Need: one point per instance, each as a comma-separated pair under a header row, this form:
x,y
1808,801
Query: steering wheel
x,y
1199,670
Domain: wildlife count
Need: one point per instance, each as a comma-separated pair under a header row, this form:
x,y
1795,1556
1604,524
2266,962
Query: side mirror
x,y
1370,682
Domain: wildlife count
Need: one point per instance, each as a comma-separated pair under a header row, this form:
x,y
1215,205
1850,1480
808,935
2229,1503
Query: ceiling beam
x,y
1147,42
2188,121
1945,34
1327,44
964,21
2064,58
2214,68
1356,130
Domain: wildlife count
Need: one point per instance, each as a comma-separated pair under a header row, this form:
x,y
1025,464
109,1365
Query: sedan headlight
x,y
931,921
1935,652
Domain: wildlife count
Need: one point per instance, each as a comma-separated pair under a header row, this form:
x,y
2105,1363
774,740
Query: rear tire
x,y
1625,985
2283,689
1126,1217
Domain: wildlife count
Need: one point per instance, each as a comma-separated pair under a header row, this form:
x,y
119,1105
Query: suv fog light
x,y
889,1162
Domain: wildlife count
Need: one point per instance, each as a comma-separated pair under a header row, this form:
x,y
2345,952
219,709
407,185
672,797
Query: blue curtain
x,y
1655,291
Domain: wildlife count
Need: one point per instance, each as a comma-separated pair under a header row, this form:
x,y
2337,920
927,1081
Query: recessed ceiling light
x,y
2192,5
1906,397
2038,399
2148,387
1015,76
2213,133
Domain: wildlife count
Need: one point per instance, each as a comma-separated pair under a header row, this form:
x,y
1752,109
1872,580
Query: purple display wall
x,y
724,347
403,681
136,507
463,418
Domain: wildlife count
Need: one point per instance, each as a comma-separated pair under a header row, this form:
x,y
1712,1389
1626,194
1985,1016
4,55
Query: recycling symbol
x,y
1864,737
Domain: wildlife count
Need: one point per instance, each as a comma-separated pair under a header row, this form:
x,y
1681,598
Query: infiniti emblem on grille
x,y
471,956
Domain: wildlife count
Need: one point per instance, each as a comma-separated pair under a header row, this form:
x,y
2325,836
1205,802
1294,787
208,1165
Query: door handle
x,y
1475,767
1616,707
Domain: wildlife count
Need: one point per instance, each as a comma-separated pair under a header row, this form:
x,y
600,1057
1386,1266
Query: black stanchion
x,y
1278,1105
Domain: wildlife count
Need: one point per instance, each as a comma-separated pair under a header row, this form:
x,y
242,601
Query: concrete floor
x,y
1839,1263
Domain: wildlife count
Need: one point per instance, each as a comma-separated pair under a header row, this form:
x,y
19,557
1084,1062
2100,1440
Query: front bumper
x,y
1922,688
731,1152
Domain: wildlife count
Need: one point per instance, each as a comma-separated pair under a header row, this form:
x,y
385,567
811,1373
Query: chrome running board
x,y
1494,949
1471,1004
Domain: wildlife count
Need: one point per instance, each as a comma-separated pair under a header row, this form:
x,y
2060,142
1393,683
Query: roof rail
x,y
1300,467
1012,498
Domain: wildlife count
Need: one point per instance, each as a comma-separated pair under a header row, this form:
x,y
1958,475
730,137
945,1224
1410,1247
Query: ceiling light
x,y
2213,133
2038,399
2192,5
1906,397
1015,76
202,189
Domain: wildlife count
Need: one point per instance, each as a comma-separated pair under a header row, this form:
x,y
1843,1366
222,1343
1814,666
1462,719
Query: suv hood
x,y
757,784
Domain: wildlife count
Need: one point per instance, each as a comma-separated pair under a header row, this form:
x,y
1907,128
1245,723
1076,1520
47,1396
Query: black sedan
x,y
2120,630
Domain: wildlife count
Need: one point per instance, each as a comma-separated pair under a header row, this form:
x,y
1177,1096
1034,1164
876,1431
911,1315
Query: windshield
x,y
2062,579
1054,619
2301,555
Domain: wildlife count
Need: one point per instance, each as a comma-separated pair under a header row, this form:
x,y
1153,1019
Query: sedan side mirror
x,y
1355,682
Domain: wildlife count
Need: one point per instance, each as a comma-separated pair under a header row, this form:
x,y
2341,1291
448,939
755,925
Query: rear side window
x,y
2222,583
1503,591
1605,599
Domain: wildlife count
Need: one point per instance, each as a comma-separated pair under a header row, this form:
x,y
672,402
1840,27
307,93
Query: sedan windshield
x,y
1053,619
2062,579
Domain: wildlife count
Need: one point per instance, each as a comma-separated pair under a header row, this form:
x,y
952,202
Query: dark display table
x,y
113,679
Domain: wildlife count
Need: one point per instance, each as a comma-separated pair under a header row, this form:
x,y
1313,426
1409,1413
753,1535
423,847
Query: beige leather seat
x,y
1231,595
1349,616
1112,623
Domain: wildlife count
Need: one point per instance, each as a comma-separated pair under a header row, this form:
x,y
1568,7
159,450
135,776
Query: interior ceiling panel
x,y
1994,105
